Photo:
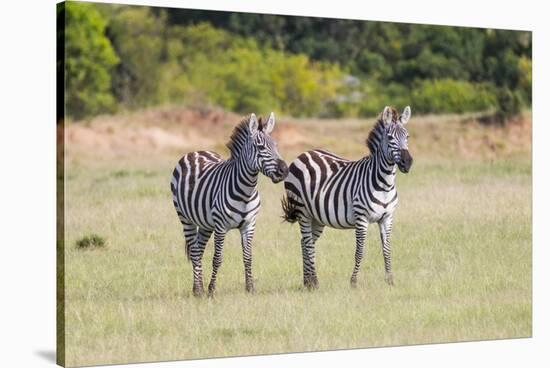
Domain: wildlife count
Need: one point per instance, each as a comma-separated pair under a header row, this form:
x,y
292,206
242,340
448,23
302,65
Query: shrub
x,y
138,38
238,74
89,59
134,57
302,87
90,242
377,95
447,95
509,104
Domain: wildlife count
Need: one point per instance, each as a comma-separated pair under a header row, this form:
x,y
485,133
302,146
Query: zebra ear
x,y
253,124
387,116
270,123
406,115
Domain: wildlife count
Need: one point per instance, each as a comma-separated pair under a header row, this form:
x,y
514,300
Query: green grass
x,y
461,261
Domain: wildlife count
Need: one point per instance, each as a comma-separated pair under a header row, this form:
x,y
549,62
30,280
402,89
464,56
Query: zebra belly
x,y
329,213
236,214
337,225
335,215
375,212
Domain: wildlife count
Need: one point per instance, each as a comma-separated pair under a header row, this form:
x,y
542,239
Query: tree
x,y
296,65
89,59
138,37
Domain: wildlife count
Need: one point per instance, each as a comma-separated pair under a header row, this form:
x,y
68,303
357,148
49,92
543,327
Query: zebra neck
x,y
384,171
244,177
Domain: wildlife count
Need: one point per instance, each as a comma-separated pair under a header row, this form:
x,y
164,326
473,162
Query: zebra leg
x,y
195,253
316,231
219,236
190,234
308,253
385,226
360,235
247,233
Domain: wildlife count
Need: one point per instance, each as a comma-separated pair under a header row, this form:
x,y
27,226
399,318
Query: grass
x,y
461,261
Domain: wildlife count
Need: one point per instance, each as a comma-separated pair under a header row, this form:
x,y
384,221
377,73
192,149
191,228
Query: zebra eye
x,y
261,146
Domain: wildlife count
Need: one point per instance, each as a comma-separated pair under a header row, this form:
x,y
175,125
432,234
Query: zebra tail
x,y
290,210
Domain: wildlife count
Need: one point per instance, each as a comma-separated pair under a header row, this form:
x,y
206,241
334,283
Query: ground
x,y
461,244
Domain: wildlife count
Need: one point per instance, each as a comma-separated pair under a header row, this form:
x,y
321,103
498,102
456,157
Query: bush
x,y
447,95
239,75
90,242
377,95
525,77
138,38
509,104
134,57
302,87
89,59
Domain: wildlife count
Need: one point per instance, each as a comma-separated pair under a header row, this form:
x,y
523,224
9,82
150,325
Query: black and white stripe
x,y
212,195
324,189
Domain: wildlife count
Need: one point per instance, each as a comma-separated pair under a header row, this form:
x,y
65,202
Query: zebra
x,y
213,195
323,189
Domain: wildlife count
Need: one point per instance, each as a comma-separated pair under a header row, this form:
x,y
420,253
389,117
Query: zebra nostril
x,y
283,168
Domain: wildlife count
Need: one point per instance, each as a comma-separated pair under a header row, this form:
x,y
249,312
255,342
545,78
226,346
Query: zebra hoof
x,y
250,289
311,283
211,289
198,292
353,283
389,279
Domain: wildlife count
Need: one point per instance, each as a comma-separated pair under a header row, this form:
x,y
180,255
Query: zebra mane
x,y
373,140
240,135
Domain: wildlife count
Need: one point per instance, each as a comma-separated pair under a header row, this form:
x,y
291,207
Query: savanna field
x,y
461,244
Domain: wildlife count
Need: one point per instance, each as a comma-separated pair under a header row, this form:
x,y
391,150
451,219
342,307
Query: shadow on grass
x,y
233,292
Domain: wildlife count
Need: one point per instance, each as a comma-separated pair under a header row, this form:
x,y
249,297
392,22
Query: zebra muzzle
x,y
406,161
281,172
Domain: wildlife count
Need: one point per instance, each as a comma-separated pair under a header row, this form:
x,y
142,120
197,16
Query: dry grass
x,y
462,251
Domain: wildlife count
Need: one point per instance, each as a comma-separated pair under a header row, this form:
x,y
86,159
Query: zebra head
x,y
396,149
265,156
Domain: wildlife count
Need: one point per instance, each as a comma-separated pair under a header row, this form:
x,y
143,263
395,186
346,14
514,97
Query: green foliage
x,y
222,71
509,104
377,94
295,65
426,96
89,59
302,87
428,64
525,76
217,68
138,38
90,242
448,95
